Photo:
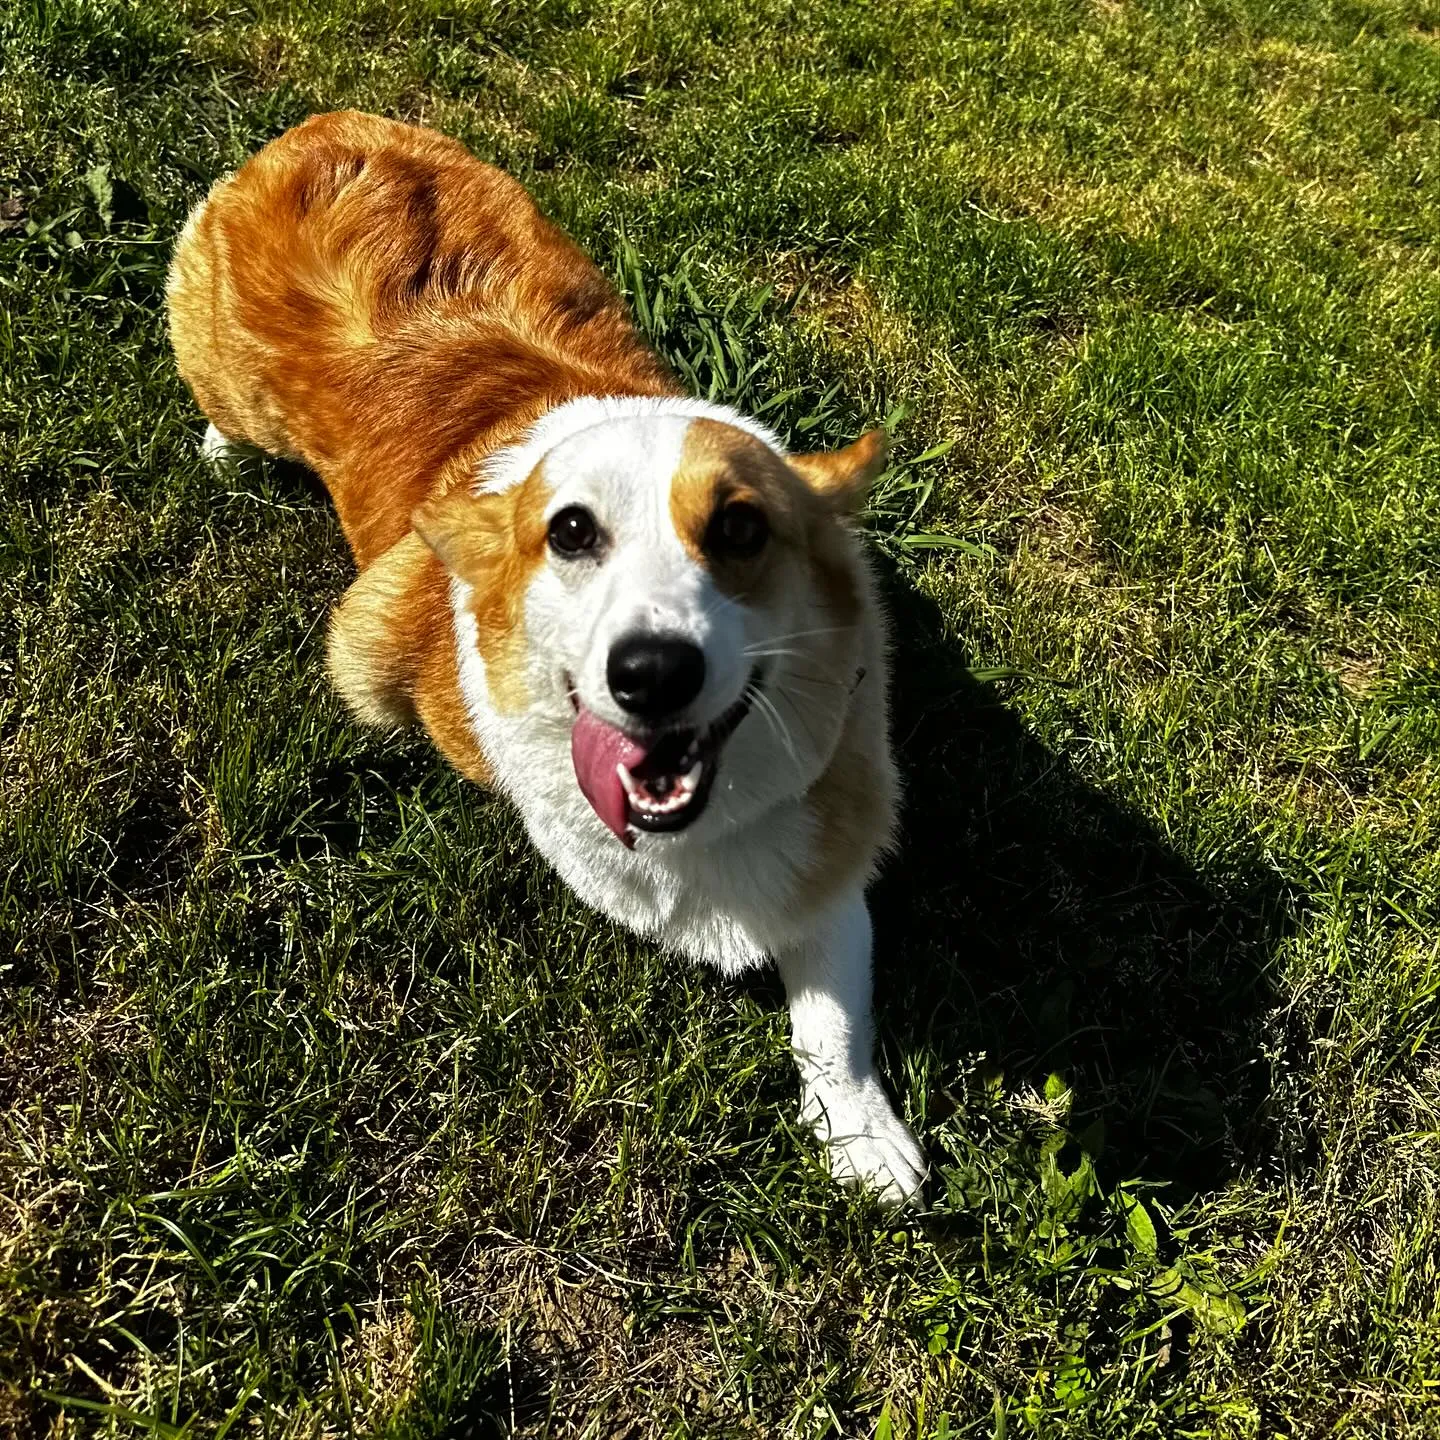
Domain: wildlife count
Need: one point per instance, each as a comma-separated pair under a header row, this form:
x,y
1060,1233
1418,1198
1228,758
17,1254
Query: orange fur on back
x,y
368,298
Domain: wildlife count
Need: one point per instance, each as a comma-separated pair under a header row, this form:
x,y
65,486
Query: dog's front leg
x,y
827,981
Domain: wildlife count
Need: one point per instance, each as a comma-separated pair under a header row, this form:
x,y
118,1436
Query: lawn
x,y
324,1109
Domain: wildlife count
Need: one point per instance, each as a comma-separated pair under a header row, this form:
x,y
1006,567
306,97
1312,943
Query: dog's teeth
x,y
646,803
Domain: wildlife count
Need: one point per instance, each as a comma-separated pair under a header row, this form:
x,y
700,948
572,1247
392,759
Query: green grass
x,y
323,1106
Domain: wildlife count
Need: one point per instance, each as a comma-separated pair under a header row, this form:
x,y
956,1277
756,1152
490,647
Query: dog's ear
x,y
469,532
842,478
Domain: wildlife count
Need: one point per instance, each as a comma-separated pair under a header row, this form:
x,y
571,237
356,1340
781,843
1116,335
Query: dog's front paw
x,y
868,1144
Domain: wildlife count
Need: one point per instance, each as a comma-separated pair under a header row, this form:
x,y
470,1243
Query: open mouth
x,y
657,784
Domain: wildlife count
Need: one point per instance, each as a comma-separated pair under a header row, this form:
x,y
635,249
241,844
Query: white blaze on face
x,y
640,579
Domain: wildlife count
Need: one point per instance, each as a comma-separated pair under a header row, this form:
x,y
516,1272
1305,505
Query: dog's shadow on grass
x,y
1031,920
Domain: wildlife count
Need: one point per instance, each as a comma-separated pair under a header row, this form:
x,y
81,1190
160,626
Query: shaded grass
x,y
328,1108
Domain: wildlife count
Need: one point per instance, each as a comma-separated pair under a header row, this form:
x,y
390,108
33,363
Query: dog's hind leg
x,y
827,981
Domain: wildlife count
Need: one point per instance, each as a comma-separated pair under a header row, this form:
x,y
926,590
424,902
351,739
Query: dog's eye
x,y
739,529
572,531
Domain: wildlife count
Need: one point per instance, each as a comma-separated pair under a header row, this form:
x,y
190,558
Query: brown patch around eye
x,y
739,530
731,502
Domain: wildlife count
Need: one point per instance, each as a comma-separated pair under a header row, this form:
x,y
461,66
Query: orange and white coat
x,y
368,298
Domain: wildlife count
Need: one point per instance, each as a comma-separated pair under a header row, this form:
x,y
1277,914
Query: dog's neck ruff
x,y
511,464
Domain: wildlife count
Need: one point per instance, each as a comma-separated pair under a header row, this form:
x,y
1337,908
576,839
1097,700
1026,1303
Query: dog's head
x,y
675,591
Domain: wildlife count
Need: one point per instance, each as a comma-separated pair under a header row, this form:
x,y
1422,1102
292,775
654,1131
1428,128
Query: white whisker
x,y
784,694
804,634
776,721
814,680
757,653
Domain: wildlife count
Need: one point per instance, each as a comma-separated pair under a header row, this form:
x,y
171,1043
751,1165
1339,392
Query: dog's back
x,y
369,298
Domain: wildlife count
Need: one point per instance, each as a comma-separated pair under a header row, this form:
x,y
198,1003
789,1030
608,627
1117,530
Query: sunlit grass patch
x,y
324,1107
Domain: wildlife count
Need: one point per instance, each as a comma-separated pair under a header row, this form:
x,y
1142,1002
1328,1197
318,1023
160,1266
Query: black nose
x,y
654,675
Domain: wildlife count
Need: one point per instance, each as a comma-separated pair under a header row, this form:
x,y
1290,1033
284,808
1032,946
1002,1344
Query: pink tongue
x,y
597,749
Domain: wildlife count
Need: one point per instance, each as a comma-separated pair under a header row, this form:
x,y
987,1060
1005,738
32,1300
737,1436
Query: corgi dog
x,y
631,611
